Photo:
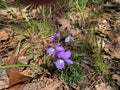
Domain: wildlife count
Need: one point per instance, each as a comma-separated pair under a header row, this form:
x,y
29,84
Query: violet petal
x,y
61,54
53,54
67,55
59,64
50,50
57,34
59,48
68,61
68,39
57,45
52,39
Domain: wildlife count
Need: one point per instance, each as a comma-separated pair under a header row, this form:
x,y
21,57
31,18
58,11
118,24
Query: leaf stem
x,y
19,65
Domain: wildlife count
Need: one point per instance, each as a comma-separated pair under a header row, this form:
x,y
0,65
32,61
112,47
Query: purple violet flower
x,y
59,52
64,56
69,39
52,39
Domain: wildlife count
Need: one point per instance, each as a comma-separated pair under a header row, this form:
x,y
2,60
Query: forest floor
x,y
24,41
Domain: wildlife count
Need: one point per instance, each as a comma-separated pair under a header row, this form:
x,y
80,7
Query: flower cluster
x,y
60,53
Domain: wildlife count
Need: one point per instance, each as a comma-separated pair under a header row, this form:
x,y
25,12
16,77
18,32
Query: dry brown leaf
x,y
118,39
5,14
103,27
75,17
16,38
4,35
74,32
54,86
13,11
17,12
114,52
28,73
87,88
103,86
3,84
15,78
116,77
21,59
65,24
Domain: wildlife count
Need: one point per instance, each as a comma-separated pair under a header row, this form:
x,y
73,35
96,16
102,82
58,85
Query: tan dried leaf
x,y
28,73
4,35
114,52
3,84
103,86
15,78
65,24
116,77
53,86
